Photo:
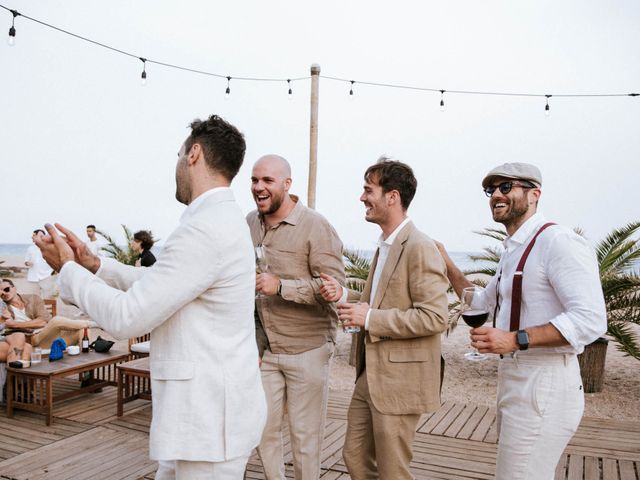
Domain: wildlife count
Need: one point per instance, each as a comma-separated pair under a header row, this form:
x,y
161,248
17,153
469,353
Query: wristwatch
x,y
522,339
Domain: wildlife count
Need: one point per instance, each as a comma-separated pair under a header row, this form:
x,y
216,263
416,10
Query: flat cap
x,y
517,171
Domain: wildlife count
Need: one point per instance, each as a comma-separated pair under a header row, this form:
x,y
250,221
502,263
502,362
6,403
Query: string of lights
x,y
351,83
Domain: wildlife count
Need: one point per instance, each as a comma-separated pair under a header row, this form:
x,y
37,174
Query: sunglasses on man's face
x,y
505,187
6,289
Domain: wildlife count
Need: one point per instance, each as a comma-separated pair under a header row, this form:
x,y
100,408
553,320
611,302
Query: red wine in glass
x,y
475,318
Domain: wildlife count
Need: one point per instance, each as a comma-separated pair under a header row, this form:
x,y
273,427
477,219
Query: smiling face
x,y
375,202
514,208
270,184
9,295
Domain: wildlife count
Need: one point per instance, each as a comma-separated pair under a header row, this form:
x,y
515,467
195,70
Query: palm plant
x,y
618,256
127,256
356,269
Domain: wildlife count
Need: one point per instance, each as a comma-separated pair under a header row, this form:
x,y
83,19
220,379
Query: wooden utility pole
x,y
313,142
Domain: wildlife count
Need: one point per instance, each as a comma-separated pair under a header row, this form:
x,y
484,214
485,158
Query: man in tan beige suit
x,y
401,313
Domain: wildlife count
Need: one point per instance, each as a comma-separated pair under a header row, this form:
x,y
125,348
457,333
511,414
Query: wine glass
x,y
262,265
473,316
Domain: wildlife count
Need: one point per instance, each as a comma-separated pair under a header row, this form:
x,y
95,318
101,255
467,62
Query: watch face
x,y
523,339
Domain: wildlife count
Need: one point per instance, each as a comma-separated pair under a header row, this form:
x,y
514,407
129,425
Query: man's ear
x,y
287,184
194,153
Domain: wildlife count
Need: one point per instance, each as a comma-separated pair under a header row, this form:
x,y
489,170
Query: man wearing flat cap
x,y
547,304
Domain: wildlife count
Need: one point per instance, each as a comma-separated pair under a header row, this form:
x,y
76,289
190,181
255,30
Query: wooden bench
x,y
32,388
133,382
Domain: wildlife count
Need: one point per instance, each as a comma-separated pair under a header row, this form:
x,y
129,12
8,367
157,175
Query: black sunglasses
x,y
6,289
505,187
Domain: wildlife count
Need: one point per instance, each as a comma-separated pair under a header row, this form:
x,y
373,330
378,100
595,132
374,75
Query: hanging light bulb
x,y
442,100
290,91
143,76
12,31
351,91
547,111
227,92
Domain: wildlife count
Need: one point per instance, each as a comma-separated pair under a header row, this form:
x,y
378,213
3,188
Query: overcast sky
x,y
82,142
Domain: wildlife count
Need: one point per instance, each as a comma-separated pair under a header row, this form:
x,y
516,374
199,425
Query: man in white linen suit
x,y
197,301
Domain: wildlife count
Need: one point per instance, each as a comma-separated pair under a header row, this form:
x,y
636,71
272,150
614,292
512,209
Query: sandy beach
x,y
472,382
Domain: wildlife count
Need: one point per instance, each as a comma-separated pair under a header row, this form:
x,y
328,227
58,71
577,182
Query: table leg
x,y
49,400
120,388
10,381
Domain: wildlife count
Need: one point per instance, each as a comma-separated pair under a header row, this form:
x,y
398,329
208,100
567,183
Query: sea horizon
x,y
461,258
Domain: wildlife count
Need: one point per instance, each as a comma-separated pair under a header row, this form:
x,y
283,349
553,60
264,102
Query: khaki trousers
x,y
187,470
302,381
377,446
70,331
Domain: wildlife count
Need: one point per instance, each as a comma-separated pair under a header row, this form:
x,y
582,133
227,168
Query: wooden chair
x,y
51,304
139,346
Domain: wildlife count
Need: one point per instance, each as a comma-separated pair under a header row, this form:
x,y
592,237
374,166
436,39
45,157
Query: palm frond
x,y
605,250
627,342
358,265
127,256
495,233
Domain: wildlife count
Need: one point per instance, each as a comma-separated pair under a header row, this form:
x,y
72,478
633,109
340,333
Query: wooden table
x,y
133,381
32,388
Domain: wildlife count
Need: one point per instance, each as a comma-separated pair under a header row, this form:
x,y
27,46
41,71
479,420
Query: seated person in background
x,y
142,243
27,321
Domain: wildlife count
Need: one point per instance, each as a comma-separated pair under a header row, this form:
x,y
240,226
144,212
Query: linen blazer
x,y
401,349
197,301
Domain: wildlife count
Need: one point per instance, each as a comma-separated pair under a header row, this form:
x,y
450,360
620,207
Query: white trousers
x,y
301,381
540,404
186,470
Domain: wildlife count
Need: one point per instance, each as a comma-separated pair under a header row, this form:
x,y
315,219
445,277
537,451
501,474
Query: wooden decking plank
x,y
435,419
484,425
601,452
447,420
30,464
591,468
561,468
619,425
472,422
575,470
627,470
459,422
609,469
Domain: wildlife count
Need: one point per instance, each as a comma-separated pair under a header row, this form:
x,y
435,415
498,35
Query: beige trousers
x,y
186,470
302,381
71,331
377,446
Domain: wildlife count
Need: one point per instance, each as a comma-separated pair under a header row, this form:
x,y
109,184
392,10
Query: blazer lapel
x,y
390,264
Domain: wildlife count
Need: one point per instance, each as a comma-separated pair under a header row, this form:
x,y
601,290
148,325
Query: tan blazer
x,y
401,349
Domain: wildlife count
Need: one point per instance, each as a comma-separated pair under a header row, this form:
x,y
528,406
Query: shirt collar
x,y
391,238
193,206
294,215
525,231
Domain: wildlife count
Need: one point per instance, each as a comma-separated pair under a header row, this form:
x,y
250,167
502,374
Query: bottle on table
x,y
85,341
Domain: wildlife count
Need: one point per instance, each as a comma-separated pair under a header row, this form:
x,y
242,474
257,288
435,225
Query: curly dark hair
x,y
393,175
145,237
222,143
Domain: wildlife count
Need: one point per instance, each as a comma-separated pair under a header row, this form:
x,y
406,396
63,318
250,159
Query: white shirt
x,y
384,245
561,285
191,208
95,246
39,270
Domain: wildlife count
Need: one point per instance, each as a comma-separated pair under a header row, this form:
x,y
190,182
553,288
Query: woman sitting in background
x,y
27,323
142,243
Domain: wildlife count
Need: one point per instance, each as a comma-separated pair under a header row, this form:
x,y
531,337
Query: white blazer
x,y
197,301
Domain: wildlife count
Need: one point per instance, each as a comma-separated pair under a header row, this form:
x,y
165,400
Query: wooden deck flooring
x,y
87,440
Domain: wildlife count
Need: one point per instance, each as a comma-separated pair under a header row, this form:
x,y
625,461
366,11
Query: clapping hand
x,y
58,250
